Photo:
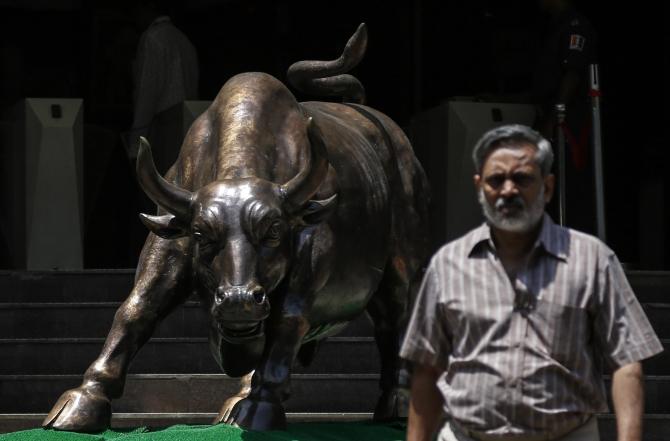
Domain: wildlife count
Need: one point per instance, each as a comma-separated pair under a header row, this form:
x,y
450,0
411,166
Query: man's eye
x,y
495,181
523,180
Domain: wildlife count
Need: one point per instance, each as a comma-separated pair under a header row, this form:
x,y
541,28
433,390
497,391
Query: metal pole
x,y
597,150
560,141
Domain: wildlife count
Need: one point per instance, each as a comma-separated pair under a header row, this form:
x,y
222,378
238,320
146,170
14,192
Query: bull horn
x,y
168,196
302,187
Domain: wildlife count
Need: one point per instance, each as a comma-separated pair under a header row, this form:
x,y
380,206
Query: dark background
x,y
420,53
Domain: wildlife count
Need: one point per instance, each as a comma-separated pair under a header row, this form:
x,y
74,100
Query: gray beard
x,y
521,222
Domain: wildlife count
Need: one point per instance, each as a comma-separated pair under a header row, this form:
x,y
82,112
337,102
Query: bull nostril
x,y
259,296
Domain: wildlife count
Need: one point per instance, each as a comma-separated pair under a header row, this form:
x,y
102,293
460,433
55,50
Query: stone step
x,y
650,286
94,319
659,364
659,317
90,320
335,355
177,393
656,427
113,285
104,285
170,355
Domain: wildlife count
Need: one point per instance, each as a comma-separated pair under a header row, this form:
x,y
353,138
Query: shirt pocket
x,y
562,330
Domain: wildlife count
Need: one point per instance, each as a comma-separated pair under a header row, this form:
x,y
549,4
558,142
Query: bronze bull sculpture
x,y
288,220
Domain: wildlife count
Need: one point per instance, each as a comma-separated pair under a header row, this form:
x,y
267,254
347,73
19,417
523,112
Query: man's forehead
x,y
511,156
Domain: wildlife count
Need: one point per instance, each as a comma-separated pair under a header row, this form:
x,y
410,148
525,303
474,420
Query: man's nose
x,y
508,188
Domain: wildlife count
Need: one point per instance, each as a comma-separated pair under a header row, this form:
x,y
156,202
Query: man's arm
x,y
628,398
425,405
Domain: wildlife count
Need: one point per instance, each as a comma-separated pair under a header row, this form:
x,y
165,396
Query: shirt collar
x,y
480,236
551,239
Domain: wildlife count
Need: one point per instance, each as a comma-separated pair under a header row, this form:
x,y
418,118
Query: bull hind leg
x,y
158,288
388,310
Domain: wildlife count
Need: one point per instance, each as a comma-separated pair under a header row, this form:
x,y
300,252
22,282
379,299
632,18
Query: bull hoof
x,y
257,415
392,404
80,410
227,409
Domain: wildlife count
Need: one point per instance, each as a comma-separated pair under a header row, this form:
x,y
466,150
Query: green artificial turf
x,y
363,431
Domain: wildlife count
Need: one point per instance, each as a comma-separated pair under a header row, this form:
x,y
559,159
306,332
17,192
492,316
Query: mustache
x,y
514,202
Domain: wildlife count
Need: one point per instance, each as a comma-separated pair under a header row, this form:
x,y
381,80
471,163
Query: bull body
x,y
288,220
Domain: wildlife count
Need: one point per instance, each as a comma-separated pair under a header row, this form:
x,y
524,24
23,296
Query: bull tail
x,y
329,78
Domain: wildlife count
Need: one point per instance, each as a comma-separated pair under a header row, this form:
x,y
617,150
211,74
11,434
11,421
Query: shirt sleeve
x,y
621,327
426,341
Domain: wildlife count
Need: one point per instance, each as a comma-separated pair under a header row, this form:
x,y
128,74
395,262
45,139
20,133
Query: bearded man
x,y
516,320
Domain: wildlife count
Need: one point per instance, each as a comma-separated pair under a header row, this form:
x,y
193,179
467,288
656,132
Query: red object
x,y
578,146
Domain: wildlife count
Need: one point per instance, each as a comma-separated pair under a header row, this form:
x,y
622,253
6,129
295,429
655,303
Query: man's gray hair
x,y
513,134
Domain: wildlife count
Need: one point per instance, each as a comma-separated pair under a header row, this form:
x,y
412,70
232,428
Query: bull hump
x,y
254,82
250,114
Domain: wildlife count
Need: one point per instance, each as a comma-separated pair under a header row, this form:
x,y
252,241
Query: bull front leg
x,y
262,409
158,289
245,389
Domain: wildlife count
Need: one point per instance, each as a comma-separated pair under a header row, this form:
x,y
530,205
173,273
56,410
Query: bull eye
x,y
273,234
204,243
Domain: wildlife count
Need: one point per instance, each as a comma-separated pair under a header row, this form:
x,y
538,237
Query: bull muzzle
x,y
239,311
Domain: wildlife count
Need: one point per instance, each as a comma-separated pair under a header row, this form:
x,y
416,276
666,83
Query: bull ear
x,y
314,212
166,226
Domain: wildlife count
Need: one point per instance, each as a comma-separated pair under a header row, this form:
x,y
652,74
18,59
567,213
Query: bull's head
x,y
241,231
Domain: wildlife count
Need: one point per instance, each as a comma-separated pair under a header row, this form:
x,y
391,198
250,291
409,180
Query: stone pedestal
x,y
44,167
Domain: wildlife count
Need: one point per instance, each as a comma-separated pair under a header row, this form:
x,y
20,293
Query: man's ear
x,y
166,226
314,212
477,179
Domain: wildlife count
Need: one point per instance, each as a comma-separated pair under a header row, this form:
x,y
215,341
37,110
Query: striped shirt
x,y
526,357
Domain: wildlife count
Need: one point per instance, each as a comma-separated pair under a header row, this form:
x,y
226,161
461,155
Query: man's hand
x,y
628,398
425,405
